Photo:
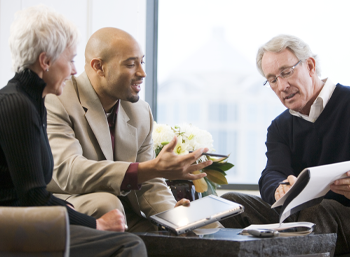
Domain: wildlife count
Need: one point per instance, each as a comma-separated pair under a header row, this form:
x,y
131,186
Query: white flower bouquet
x,y
191,138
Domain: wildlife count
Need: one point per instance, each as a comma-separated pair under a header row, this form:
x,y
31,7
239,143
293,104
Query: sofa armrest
x,y
34,230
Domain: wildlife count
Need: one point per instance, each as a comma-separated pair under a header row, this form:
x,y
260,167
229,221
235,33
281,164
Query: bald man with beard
x,y
100,134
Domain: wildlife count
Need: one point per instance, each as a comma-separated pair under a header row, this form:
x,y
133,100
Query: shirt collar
x,y
326,91
320,102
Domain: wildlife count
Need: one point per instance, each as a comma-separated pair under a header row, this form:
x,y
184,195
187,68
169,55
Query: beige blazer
x,y
79,136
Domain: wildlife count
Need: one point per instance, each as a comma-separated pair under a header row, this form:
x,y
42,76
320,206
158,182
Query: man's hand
x,y
183,202
172,166
342,186
112,221
283,189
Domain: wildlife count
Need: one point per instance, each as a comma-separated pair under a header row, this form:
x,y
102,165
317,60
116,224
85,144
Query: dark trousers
x,y
329,217
86,241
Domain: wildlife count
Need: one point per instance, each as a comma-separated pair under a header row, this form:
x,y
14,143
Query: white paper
x,y
283,226
321,177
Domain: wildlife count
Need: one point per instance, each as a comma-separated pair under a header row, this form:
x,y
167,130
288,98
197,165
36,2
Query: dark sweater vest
x,y
294,144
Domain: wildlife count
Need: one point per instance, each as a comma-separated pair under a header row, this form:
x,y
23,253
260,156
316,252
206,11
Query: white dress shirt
x,y
319,104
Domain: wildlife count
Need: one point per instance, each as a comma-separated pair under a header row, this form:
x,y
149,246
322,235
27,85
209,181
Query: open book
x,y
310,187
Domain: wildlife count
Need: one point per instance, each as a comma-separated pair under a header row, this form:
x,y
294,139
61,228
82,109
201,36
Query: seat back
x,y
33,231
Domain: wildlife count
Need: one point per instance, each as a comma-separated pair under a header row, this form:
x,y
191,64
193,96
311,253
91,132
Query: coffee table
x,y
228,242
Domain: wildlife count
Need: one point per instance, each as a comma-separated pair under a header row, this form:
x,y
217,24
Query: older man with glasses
x,y
314,130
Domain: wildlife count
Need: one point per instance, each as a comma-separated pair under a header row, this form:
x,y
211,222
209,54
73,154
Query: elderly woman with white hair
x,y
43,46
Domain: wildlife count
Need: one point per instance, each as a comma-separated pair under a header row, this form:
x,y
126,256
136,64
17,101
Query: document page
x,y
295,228
303,192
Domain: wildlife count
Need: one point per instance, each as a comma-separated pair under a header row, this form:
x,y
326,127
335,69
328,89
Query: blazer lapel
x,y
126,148
125,137
94,114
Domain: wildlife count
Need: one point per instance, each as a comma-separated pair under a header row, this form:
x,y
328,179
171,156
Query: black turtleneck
x,y
26,161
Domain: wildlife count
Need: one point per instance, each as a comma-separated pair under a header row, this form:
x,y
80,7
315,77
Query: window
x,y
206,71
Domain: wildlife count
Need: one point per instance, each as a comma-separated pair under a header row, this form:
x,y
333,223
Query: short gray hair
x,y
39,29
277,44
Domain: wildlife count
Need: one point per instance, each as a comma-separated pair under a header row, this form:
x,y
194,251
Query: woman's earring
x,y
47,69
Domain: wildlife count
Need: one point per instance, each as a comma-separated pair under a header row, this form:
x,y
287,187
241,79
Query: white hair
x,y
277,44
39,29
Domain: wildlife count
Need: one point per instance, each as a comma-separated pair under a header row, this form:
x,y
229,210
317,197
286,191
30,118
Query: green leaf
x,y
214,168
226,166
158,149
217,169
222,166
216,164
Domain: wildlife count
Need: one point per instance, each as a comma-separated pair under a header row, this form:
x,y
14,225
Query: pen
x,y
212,154
284,183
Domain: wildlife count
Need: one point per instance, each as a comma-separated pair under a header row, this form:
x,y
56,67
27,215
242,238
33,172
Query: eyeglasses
x,y
286,73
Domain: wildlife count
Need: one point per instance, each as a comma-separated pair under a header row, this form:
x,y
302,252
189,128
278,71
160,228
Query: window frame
x,y
151,83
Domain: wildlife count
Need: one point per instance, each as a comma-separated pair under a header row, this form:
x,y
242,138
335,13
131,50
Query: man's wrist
x,y
99,225
130,181
146,171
